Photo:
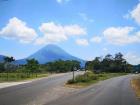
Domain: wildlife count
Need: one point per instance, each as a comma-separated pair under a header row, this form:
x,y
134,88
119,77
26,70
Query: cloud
x,y
62,1
96,39
132,58
135,14
53,33
121,35
85,17
17,29
82,42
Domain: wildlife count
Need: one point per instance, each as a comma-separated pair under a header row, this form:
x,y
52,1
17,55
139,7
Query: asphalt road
x,y
35,93
50,91
115,91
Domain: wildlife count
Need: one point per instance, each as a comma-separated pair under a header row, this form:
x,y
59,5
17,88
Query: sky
x,y
83,28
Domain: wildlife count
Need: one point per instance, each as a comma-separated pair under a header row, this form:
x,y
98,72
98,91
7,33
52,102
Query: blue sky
x,y
84,28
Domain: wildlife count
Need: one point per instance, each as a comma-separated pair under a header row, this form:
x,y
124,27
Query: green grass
x,y
10,77
89,78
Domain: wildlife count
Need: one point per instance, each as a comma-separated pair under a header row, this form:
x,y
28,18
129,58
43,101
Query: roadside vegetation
x,y
101,69
32,69
89,78
20,76
135,82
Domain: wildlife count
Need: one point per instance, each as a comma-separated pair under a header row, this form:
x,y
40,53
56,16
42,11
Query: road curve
x,y
115,91
37,92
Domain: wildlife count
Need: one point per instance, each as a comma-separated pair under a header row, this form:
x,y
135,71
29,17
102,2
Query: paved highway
x,y
115,91
50,91
37,92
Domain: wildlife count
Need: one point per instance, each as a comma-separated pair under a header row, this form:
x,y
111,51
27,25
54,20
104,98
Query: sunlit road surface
x,y
37,92
115,91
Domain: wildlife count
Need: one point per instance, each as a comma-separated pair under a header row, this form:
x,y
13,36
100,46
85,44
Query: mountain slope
x,y
2,58
50,53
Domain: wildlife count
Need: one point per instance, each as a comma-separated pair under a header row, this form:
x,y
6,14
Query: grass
x,y
10,77
90,78
135,82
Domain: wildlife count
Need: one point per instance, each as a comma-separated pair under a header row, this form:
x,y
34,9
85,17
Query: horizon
x,y
84,29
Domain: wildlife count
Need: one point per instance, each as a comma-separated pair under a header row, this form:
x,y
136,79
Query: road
x,y
115,91
37,92
50,91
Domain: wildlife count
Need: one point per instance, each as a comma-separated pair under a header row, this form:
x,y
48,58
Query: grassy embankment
x,y
136,85
10,77
89,78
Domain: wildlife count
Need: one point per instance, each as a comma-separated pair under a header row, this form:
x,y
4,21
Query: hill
x,y
50,53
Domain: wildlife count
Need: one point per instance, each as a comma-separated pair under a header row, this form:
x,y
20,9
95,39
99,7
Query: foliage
x,y
9,59
2,69
86,77
109,64
89,78
62,66
32,66
8,65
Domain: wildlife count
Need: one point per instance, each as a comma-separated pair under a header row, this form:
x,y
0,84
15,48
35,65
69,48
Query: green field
x,y
20,76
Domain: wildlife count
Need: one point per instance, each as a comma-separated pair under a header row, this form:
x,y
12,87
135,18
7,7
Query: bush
x,y
87,77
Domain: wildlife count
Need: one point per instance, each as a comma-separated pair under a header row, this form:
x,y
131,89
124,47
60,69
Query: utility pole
x,y
74,68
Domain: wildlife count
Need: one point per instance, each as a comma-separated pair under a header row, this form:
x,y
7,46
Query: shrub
x,y
87,77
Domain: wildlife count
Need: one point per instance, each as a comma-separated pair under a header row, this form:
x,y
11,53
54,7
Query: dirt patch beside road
x,y
135,82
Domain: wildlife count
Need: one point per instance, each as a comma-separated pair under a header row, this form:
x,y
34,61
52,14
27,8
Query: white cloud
x,y
61,1
135,13
121,35
132,58
85,17
16,29
96,39
82,42
71,30
53,33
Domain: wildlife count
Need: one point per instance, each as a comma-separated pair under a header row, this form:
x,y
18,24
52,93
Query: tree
x,y
2,69
89,65
7,61
32,66
62,66
120,63
97,64
107,63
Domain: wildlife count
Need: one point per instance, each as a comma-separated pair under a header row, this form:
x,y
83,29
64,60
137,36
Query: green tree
x,y
120,63
62,66
32,66
7,61
107,63
2,69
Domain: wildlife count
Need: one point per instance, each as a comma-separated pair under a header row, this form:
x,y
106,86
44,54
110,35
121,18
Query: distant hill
x,y
2,58
50,53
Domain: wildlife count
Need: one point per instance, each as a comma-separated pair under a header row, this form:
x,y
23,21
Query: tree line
x,y
33,66
109,63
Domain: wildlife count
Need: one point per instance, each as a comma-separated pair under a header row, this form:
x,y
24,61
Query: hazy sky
x,y
84,28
